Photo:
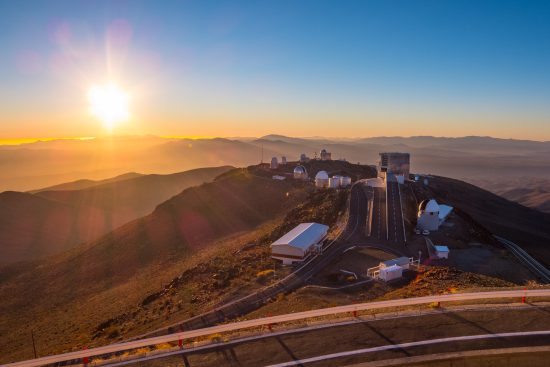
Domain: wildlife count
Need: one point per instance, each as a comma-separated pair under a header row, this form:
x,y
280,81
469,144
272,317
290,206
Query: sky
x,y
298,68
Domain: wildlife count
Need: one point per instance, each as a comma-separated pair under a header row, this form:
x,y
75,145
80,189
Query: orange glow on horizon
x,y
20,141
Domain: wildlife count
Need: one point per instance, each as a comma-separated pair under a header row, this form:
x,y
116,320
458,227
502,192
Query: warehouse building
x,y
297,244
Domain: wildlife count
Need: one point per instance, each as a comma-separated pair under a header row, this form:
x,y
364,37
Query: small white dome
x,y
321,175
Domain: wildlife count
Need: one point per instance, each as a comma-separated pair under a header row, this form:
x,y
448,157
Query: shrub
x,y
262,276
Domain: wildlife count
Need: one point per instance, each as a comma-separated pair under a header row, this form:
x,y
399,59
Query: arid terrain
x,y
49,221
170,264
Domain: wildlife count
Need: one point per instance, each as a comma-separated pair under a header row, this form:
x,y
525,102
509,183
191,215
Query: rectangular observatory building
x,y
394,163
297,244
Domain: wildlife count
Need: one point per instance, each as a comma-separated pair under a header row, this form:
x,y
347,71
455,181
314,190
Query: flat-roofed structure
x,y
400,261
397,164
441,252
391,273
297,244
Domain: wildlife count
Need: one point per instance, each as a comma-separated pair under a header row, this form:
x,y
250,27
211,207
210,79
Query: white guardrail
x,y
278,319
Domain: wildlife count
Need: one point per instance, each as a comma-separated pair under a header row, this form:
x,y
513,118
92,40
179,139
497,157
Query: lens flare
x,y
109,103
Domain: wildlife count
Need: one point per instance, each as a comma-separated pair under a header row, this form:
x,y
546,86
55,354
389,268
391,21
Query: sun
x,y
109,103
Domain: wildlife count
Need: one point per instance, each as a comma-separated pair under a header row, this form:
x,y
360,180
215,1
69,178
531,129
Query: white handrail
x,y
279,319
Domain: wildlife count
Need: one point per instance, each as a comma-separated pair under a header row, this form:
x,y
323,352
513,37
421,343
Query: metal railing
x,y
175,337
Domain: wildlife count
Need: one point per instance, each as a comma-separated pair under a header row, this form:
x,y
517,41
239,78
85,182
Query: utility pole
x,y
33,344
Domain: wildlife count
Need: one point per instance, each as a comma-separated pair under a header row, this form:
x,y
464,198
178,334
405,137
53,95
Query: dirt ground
x,y
356,261
470,254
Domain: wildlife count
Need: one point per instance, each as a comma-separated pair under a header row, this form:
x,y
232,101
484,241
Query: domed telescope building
x,y
321,179
300,173
431,215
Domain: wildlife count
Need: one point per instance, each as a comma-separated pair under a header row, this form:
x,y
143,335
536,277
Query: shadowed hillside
x,y
237,202
34,226
525,226
529,191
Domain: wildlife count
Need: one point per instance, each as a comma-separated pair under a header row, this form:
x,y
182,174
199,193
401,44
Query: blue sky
x,y
333,68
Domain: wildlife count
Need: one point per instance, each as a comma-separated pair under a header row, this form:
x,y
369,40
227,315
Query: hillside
x,y
85,183
124,200
527,227
76,291
532,192
48,222
32,227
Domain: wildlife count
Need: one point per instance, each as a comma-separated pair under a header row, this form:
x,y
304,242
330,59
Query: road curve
x,y
279,319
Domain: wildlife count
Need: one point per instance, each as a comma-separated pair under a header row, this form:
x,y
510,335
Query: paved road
x,y
403,346
395,230
379,231
113,348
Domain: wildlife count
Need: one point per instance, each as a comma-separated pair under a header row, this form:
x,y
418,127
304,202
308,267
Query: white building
x,y
283,160
279,178
297,244
391,273
300,173
428,215
431,215
436,251
392,269
274,163
441,252
321,179
334,182
345,181
304,158
403,262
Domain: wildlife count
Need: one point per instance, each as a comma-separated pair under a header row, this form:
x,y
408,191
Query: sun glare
x,y
109,104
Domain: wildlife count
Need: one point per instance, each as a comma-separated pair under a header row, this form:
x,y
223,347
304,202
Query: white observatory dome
x,y
429,206
321,179
321,175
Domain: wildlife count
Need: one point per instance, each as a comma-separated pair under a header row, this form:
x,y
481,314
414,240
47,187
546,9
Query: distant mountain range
x,y
49,221
43,164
